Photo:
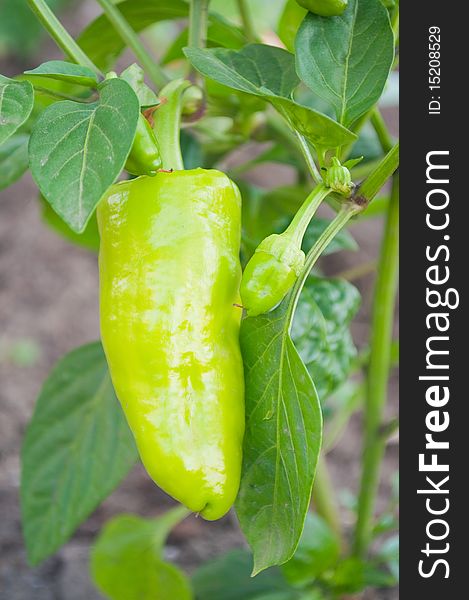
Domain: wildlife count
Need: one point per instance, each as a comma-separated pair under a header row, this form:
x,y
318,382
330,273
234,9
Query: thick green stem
x,y
324,498
246,19
378,177
378,372
305,213
379,125
128,35
168,124
60,35
198,23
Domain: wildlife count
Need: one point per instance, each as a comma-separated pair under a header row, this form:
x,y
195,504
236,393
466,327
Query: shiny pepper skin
x,y
270,274
144,157
169,280
325,8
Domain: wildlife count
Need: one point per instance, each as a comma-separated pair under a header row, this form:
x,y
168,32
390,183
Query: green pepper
x,y
271,272
144,157
169,294
325,8
278,260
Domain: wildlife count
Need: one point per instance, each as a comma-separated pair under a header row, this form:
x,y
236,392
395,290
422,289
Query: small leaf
x,y
346,60
290,20
274,83
89,239
135,77
13,159
318,551
321,331
77,448
78,150
65,71
126,559
16,104
282,439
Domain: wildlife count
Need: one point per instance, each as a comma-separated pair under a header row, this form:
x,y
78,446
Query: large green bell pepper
x,y
169,279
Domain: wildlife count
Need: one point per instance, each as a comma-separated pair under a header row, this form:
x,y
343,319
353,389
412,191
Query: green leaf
x,y
100,41
318,551
65,71
77,448
354,575
88,239
135,77
274,83
321,331
229,577
13,159
346,60
282,439
16,104
290,20
126,559
78,150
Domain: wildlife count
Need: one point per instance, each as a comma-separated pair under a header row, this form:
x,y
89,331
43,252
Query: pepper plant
x,y
178,322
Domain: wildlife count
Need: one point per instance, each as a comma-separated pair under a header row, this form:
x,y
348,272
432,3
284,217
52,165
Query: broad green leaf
x,y
102,43
346,60
76,449
229,578
127,559
13,159
219,33
353,575
290,20
282,439
318,551
78,150
241,69
16,104
135,77
274,83
88,239
321,331
65,71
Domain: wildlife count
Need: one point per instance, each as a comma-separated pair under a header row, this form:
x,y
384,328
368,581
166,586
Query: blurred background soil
x,y
48,306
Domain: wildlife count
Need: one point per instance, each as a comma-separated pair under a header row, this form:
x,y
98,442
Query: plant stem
x,y
128,35
198,23
378,371
338,223
306,151
324,497
305,213
168,124
381,129
246,19
367,190
60,35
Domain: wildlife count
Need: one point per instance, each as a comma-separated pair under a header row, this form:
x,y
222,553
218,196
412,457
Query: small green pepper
x,y
271,272
278,260
144,157
324,8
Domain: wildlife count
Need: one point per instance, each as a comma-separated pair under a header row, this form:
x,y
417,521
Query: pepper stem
x,y
301,220
168,124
